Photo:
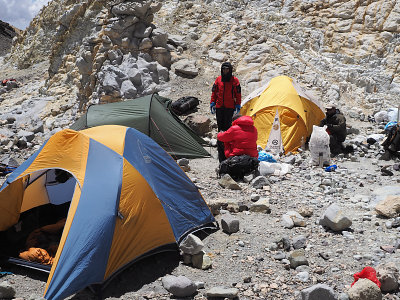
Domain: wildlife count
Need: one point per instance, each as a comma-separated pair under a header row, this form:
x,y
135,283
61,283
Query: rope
x,y
165,140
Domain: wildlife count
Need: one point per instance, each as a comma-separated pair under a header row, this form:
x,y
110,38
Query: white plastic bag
x,y
319,146
277,169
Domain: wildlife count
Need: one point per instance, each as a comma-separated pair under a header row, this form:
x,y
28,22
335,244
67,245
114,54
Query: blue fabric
x,y
264,156
212,107
389,125
21,169
182,202
61,193
237,109
85,254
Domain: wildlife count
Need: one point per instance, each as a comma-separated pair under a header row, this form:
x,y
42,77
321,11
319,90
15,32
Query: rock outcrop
x,y
7,33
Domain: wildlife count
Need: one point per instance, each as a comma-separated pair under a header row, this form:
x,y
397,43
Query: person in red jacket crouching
x,y
225,100
240,143
240,138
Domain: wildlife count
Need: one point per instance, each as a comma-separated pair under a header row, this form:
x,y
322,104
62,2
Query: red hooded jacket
x,y
240,138
226,94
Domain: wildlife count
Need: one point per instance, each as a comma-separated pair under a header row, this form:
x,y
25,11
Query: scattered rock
x,y
318,292
229,224
364,289
389,207
179,286
335,219
222,292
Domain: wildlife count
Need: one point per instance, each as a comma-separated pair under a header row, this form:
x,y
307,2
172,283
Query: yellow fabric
x,y
10,204
66,150
67,227
297,115
144,225
112,136
35,194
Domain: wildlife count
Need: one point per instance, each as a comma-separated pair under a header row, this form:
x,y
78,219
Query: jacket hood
x,y
244,121
227,77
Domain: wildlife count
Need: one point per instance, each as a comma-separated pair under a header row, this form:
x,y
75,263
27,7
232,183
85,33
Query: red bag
x,y
368,273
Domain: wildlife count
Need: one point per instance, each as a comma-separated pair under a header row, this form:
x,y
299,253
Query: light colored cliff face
x,y
95,46
345,50
355,28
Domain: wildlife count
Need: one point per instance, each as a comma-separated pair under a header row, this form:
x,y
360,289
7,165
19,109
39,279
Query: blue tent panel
x,y
61,193
89,239
181,200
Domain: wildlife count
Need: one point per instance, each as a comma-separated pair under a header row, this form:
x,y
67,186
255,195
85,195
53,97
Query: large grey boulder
x,y
259,182
229,223
335,218
191,245
318,292
364,289
185,67
179,286
388,276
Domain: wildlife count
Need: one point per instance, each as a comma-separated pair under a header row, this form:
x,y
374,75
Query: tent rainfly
x,y
152,116
127,198
298,111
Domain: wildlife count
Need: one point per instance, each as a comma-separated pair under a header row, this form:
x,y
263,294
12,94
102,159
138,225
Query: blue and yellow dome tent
x,y
129,198
298,111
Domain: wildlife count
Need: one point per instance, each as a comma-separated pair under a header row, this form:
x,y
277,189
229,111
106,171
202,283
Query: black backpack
x,y
184,104
238,166
392,141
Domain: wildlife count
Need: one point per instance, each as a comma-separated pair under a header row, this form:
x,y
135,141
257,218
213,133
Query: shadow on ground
x,y
135,277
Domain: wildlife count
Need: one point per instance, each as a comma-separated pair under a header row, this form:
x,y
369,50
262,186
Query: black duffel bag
x,y
238,166
184,104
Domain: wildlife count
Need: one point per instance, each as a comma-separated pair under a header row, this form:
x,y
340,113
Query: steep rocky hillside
x,y
347,51
7,33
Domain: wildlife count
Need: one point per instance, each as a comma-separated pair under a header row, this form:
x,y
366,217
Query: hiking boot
x,y
385,156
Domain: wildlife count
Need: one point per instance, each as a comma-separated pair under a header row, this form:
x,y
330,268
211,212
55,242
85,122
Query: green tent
x,y
152,116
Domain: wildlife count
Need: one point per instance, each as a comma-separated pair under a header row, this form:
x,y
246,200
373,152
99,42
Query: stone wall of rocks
x,y
106,50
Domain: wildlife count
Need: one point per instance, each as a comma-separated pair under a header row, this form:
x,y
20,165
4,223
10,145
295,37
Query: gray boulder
x,y
318,292
191,245
229,223
335,219
364,289
179,286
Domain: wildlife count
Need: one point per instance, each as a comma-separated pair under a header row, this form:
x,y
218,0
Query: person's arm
x,y
322,123
339,127
227,136
214,92
237,93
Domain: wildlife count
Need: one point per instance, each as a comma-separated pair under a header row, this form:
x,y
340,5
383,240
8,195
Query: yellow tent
x,y
298,111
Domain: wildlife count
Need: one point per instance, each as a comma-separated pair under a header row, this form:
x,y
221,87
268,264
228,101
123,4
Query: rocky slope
x,y
7,33
95,51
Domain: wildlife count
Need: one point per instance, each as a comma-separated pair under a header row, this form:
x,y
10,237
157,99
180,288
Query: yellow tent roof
x,y
298,111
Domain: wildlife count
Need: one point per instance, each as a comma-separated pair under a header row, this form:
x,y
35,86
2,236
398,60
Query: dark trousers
x,y
335,146
224,121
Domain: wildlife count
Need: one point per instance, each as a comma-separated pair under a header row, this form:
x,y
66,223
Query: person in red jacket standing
x,y
240,138
226,98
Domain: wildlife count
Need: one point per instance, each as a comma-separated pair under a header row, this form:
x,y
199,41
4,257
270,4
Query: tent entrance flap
x,y
34,240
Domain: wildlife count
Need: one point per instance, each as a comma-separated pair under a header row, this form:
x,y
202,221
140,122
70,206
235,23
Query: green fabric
x,y
150,115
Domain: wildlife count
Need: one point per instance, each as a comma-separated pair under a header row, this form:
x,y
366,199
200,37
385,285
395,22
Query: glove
x,y
237,109
212,107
